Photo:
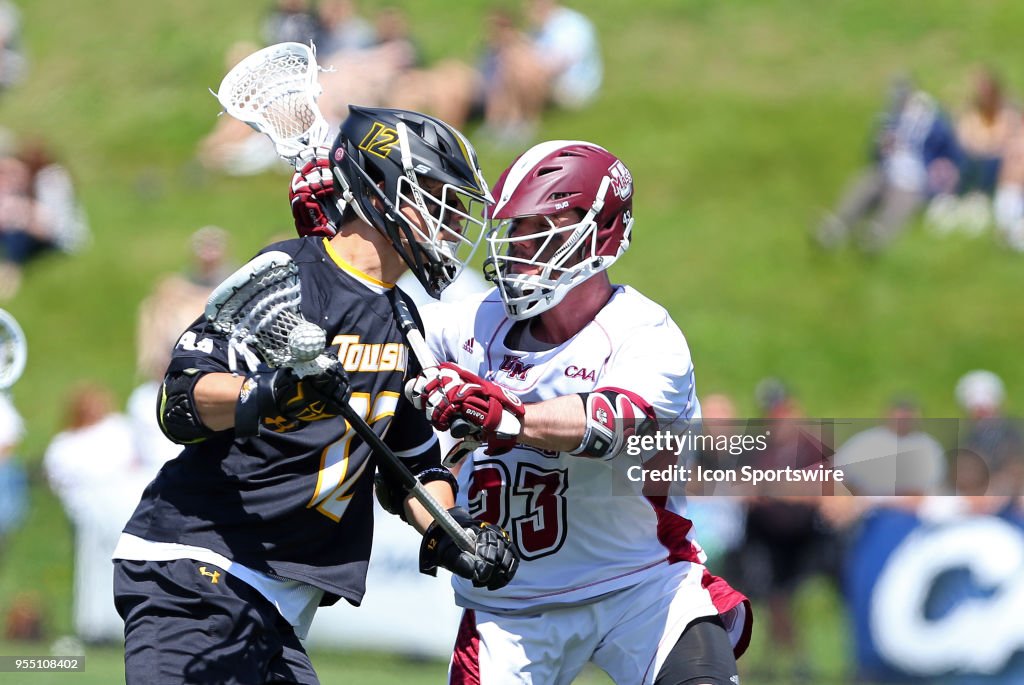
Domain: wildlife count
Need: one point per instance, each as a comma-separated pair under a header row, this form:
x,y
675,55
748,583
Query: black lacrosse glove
x,y
281,400
492,566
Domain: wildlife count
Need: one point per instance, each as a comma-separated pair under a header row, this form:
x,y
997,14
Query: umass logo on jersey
x,y
514,367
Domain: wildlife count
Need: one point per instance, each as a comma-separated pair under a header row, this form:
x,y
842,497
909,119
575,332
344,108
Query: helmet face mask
x,y
417,181
563,213
536,261
445,224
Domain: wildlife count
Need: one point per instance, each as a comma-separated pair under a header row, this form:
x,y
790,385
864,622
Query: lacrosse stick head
x,y
259,307
417,180
275,90
13,350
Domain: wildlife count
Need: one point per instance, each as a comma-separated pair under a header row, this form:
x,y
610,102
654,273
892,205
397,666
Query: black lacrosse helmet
x,y
393,156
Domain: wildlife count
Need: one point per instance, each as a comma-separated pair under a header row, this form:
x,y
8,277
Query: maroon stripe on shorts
x,y
465,669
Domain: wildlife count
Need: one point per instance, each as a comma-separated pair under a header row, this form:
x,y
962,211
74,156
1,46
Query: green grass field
x,y
740,121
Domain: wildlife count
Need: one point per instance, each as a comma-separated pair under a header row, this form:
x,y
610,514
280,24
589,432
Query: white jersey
x,y
578,540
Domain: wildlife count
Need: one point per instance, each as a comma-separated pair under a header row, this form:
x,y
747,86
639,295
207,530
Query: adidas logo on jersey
x,y
468,345
357,356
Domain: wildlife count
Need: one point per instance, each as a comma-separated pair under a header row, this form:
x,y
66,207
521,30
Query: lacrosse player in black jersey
x,y
267,512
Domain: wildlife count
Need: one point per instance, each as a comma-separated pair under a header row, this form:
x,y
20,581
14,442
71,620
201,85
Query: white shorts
x,y
628,634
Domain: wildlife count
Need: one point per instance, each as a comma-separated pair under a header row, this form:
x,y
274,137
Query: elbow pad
x,y
612,416
176,409
392,494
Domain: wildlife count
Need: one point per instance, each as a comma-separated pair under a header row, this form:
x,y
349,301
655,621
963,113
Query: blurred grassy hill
x,y
741,121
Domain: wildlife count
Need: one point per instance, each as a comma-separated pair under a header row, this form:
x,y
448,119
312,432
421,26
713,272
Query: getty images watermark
x,y
668,443
824,457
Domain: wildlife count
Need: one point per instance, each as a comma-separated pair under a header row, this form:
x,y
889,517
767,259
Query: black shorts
x,y
702,656
190,622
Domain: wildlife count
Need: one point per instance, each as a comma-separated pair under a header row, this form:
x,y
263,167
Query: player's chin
x,y
522,270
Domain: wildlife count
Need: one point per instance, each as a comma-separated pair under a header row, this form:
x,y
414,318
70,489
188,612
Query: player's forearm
x,y
417,515
216,395
557,424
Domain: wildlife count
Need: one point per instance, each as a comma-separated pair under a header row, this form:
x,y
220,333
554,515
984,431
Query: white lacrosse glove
x,y
460,400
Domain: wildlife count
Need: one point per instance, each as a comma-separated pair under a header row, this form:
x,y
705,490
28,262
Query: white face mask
x,y
535,270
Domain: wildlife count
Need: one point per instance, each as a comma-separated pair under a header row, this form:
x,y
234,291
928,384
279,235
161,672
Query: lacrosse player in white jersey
x,y
554,369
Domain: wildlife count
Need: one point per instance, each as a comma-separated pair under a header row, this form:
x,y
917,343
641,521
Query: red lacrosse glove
x,y
311,190
492,412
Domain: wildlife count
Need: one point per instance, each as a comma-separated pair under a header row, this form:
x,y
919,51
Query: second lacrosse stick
x,y
258,308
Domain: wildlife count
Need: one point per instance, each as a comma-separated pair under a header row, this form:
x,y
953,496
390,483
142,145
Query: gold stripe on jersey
x,y
353,271
385,404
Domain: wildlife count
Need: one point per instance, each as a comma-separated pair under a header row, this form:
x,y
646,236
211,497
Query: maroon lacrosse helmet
x,y
545,181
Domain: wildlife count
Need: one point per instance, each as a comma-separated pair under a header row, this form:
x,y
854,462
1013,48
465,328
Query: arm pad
x,y
176,410
612,416
392,495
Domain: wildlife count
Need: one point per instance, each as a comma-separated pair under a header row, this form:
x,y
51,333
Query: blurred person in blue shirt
x,y
915,157
566,44
13,481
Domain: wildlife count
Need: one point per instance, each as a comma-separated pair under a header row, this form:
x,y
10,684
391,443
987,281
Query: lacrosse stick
x,y
460,427
274,90
258,309
13,350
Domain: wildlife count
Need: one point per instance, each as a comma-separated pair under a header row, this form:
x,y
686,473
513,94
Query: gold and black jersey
x,y
297,500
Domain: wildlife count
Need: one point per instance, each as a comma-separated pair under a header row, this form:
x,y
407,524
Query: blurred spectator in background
x,y
233,147
92,468
511,91
12,61
369,77
786,540
1009,199
93,449
558,62
210,259
24,622
915,157
896,458
717,511
984,130
38,212
13,481
341,29
517,75
17,213
290,21
506,86
176,301
451,90
566,44
995,438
